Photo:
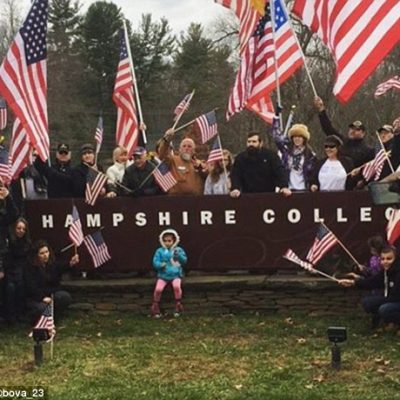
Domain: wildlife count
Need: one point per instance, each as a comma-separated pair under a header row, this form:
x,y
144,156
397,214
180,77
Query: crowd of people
x,y
31,275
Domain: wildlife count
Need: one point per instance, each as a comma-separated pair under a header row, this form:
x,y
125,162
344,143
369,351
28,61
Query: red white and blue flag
x,y
46,320
23,78
323,242
359,34
95,181
5,170
163,176
373,168
20,149
208,126
183,106
393,227
256,78
98,136
127,133
75,230
294,258
392,83
3,114
97,248
215,152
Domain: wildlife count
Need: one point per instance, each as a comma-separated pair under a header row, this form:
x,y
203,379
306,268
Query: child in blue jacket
x,y
167,261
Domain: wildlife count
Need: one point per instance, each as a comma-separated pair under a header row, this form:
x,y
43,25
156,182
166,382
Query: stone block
x,y
106,306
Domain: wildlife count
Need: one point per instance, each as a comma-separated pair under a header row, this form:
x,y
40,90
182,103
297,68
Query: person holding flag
x,y
42,280
220,165
116,172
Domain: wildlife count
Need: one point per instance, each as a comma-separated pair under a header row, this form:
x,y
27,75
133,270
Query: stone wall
x,y
219,294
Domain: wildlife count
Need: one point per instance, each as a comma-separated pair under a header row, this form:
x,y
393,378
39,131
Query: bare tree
x,y
10,21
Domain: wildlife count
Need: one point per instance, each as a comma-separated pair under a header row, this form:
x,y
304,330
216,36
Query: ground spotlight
x,y
39,336
336,334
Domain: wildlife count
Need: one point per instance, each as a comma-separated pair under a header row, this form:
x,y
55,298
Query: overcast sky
x,y
179,13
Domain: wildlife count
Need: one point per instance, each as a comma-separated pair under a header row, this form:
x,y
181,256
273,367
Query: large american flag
x,y
256,78
373,168
98,136
215,152
164,177
182,106
323,242
249,13
75,230
359,34
5,170
293,257
97,248
208,126
127,123
392,83
20,150
23,77
393,227
95,181
3,114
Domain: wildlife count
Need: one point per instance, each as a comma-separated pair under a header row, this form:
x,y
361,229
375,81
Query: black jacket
x,y
41,281
258,173
134,177
378,282
8,215
392,145
356,149
16,259
59,178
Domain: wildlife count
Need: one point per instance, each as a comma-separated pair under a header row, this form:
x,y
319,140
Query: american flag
x,y
249,13
95,181
207,124
293,257
127,123
20,150
46,320
183,105
3,114
393,227
23,77
164,177
392,83
75,230
374,167
98,136
323,242
215,152
256,78
97,248
359,34
5,170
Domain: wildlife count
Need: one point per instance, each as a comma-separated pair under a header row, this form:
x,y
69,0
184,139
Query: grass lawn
x,y
211,357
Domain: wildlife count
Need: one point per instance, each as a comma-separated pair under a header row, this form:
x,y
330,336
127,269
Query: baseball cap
x,y
357,125
387,128
139,151
86,148
63,147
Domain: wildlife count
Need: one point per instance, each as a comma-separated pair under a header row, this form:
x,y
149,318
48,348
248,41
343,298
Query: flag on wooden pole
x,y
207,124
75,230
215,152
95,181
163,176
323,242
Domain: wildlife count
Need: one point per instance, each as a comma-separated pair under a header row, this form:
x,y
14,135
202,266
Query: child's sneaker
x,y
178,309
155,310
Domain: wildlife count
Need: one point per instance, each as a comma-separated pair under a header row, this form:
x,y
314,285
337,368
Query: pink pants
x,y
160,286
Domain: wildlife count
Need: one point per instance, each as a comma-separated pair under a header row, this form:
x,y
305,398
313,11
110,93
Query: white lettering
x,y
317,217
294,216
93,220
185,218
339,215
230,217
388,213
269,216
68,221
141,219
117,218
47,221
206,218
164,218
365,214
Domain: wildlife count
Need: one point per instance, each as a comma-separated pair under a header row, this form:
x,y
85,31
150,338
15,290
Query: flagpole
x,y
52,339
223,164
183,111
342,245
190,122
98,145
278,87
301,50
386,154
148,176
289,120
128,47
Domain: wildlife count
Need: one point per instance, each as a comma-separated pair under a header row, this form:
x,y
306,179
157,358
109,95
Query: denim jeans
x,y
380,306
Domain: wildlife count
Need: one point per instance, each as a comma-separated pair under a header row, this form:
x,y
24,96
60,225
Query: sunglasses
x,y
330,146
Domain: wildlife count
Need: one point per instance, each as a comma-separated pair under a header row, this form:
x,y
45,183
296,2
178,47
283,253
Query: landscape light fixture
x,y
39,336
336,334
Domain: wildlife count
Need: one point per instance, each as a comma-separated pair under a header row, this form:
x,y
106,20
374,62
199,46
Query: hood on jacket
x,y
171,232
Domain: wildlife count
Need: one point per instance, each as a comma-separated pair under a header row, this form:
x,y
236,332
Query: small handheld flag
x,y
75,230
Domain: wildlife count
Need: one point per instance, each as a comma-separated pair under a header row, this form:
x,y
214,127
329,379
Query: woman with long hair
x,y
218,181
